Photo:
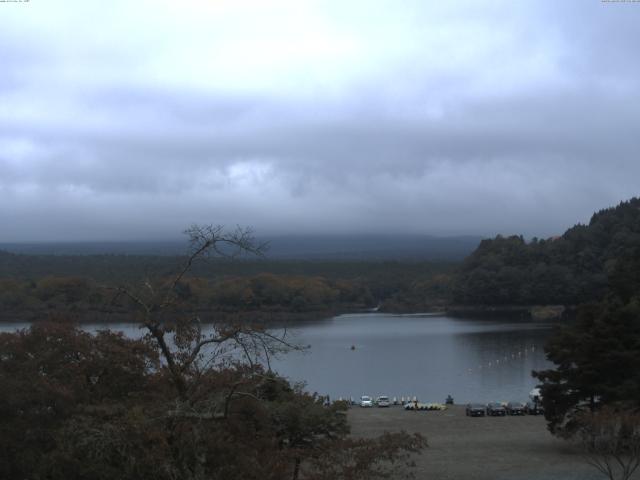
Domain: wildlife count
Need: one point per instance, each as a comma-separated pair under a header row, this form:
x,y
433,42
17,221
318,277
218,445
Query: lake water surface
x,y
428,356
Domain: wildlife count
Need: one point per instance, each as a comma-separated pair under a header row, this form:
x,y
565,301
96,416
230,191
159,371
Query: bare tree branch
x,y
610,441
184,352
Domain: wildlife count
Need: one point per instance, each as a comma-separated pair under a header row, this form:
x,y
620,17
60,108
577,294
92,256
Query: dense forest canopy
x,y
597,357
569,270
33,284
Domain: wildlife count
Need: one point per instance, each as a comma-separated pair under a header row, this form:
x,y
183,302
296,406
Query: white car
x,y
366,401
383,401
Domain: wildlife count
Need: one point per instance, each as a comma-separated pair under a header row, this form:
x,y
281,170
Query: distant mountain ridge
x,y
300,247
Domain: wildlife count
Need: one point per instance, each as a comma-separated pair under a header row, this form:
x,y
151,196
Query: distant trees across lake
x,y
571,269
33,285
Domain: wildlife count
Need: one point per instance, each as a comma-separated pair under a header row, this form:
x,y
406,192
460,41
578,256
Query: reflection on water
x,y
408,355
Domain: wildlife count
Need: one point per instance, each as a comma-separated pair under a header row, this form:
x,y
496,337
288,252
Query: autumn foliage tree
x,y
57,382
185,401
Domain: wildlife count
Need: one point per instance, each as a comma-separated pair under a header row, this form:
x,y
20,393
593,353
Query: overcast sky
x,y
134,119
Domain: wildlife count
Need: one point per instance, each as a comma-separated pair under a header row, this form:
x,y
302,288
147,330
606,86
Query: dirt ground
x,y
479,448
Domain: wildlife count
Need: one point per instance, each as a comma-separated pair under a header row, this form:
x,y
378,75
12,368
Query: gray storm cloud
x,y
425,119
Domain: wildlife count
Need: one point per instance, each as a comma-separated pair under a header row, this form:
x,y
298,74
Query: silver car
x,y
383,401
366,401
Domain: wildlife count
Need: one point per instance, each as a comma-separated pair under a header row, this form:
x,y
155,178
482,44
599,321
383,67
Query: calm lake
x,y
427,356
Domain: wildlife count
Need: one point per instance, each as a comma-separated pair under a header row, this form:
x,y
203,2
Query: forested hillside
x,y
32,286
571,269
574,268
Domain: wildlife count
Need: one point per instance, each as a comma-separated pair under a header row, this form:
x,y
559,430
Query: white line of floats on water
x,y
498,362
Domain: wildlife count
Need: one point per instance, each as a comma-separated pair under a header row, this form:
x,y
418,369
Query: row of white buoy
x,y
503,360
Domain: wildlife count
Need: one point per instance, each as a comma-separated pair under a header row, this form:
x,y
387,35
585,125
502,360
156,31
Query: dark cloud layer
x,y
526,123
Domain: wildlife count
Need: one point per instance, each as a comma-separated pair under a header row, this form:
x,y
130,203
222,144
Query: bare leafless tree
x,y
610,441
186,348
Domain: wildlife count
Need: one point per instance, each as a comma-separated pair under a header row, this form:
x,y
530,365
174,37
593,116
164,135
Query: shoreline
x,y
99,316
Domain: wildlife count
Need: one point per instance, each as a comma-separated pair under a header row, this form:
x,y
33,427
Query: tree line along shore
x,y
504,275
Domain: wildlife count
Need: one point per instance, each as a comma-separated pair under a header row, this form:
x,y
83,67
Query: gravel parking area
x,y
478,448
